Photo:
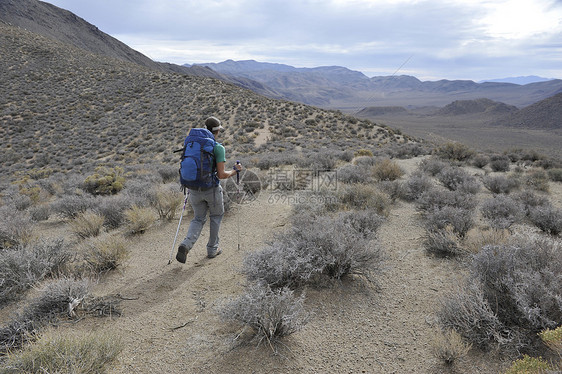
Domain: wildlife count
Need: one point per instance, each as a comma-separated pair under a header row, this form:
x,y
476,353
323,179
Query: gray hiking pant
x,y
203,201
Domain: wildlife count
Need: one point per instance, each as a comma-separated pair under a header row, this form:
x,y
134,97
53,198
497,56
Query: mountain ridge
x,y
337,87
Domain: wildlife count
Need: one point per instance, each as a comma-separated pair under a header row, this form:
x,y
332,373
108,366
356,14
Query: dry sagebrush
x,y
270,313
23,266
512,294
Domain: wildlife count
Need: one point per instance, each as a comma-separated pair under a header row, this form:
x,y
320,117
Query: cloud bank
x,y
432,39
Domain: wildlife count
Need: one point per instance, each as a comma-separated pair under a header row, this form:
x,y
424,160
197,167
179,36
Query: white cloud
x,y
469,39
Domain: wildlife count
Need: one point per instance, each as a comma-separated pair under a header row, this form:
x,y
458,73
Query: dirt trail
x,y
169,325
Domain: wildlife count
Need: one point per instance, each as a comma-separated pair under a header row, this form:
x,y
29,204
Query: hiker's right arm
x,y
223,174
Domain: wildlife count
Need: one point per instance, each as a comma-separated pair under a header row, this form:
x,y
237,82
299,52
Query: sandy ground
x,y
170,324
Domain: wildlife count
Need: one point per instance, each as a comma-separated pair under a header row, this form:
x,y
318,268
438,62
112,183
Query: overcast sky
x,y
431,39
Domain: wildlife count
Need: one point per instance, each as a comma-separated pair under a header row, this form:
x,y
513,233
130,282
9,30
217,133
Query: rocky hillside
x,y
61,25
487,106
67,109
546,114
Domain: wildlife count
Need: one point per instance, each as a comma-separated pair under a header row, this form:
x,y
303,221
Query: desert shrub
x,y
460,220
52,302
529,365
365,161
480,161
105,253
476,239
281,263
555,174
350,173
442,243
454,151
449,346
105,181
87,224
368,197
528,199
139,219
467,311
520,284
547,218
40,212
112,208
415,186
364,222
16,227
436,199
501,184
139,192
432,166
276,159
386,170
168,173
553,339
168,200
70,206
455,178
499,163
22,267
314,246
363,153
271,314
409,150
394,189
17,200
74,352
501,211
537,179
323,160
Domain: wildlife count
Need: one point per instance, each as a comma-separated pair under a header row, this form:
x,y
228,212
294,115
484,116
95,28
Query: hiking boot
x,y
218,252
181,256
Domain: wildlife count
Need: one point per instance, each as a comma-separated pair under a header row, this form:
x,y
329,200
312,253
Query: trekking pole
x,y
178,230
238,189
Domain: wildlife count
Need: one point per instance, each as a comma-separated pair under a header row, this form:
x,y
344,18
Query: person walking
x,y
208,199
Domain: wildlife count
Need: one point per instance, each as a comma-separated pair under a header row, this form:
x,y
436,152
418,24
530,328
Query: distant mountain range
x,y
341,88
519,80
332,87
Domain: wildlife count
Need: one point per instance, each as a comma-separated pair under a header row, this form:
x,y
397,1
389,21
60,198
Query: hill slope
x,y
70,110
61,25
487,106
546,114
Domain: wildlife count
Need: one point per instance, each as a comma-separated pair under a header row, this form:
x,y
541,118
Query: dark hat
x,y
213,124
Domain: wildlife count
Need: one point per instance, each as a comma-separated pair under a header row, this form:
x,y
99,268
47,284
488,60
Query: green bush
x,y
454,151
105,181
529,365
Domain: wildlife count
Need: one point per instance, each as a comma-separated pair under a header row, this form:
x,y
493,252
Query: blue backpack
x,y
198,167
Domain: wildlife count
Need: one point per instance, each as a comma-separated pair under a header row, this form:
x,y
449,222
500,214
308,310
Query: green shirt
x,y
219,153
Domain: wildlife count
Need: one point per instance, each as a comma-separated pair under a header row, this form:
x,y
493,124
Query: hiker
x,y
205,199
